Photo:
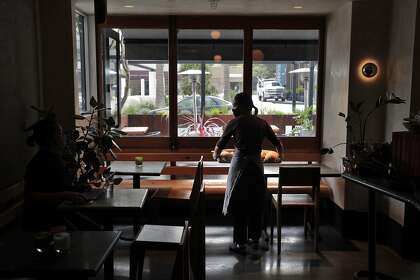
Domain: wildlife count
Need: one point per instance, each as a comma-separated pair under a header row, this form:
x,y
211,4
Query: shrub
x,y
138,108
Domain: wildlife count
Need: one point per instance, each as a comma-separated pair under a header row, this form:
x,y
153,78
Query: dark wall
x,y
19,86
56,29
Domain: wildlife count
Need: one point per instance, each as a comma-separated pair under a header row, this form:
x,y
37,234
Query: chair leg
x,y
278,230
136,262
316,222
272,218
305,222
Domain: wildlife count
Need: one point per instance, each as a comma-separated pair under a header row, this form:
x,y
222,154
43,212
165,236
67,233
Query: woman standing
x,y
246,188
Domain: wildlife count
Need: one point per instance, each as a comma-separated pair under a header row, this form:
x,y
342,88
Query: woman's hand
x,y
216,153
280,151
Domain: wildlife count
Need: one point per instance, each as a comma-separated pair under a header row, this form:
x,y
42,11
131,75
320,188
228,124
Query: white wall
x,y
337,67
399,74
400,62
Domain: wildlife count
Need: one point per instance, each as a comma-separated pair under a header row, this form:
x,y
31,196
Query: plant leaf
x,y
379,101
93,103
341,114
324,151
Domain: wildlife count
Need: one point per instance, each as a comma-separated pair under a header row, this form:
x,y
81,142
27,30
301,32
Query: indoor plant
x,y
362,155
89,147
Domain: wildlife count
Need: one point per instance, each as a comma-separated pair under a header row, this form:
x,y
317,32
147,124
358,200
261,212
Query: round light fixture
x,y
369,70
217,58
128,6
257,55
215,34
297,7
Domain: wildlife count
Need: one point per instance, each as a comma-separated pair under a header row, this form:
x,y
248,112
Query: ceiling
x,y
216,7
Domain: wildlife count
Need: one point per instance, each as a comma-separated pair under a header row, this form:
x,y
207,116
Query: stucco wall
x,y
399,77
337,66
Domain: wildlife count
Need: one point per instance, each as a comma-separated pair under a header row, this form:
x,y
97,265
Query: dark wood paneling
x,y
415,87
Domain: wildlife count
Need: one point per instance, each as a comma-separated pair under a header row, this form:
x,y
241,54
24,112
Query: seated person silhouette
x,y
48,182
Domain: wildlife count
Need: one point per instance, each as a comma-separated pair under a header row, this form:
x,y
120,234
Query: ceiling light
x,y
215,34
297,7
213,3
217,58
128,6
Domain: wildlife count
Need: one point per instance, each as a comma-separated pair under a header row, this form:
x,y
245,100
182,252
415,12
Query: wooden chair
x,y
304,175
174,238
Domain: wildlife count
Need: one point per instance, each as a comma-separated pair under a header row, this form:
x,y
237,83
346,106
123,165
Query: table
x,y
89,251
387,188
271,170
135,130
149,168
116,203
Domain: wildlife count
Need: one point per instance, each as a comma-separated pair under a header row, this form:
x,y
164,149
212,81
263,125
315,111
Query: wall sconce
x,y
369,70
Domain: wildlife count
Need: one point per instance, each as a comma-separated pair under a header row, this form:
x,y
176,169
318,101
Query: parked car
x,y
270,88
185,106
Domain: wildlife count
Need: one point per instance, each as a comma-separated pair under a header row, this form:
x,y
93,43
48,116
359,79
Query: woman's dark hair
x,y
44,131
243,101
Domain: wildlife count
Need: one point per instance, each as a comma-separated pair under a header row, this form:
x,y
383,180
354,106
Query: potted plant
x,y
412,123
89,147
364,157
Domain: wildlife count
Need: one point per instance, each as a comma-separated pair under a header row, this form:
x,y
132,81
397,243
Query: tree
x,y
264,71
186,85
160,90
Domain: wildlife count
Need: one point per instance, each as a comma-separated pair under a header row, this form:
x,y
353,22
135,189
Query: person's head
x,y
242,104
47,133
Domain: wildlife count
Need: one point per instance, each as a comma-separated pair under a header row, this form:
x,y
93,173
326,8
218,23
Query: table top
x,y
272,169
88,251
386,187
135,130
117,200
148,168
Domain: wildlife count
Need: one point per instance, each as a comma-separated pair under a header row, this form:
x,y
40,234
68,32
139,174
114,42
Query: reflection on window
x,y
80,73
210,71
144,82
285,71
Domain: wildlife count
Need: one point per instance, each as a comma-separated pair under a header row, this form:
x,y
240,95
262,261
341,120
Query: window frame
x,y
84,61
245,23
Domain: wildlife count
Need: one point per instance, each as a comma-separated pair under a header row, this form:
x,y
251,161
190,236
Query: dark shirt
x,y
45,173
248,134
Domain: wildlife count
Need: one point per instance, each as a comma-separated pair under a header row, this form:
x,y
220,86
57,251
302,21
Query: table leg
x,y
109,267
136,181
371,273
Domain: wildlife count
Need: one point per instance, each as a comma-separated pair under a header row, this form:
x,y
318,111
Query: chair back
x,y
299,175
196,189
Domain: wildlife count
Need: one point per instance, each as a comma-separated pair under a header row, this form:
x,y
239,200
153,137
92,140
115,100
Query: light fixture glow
x,y
217,58
297,7
360,70
215,34
128,6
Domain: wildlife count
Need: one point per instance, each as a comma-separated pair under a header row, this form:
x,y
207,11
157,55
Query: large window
x,y
80,67
284,72
144,82
210,67
178,76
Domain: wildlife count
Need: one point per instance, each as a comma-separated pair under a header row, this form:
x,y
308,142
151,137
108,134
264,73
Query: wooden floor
x,y
338,259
